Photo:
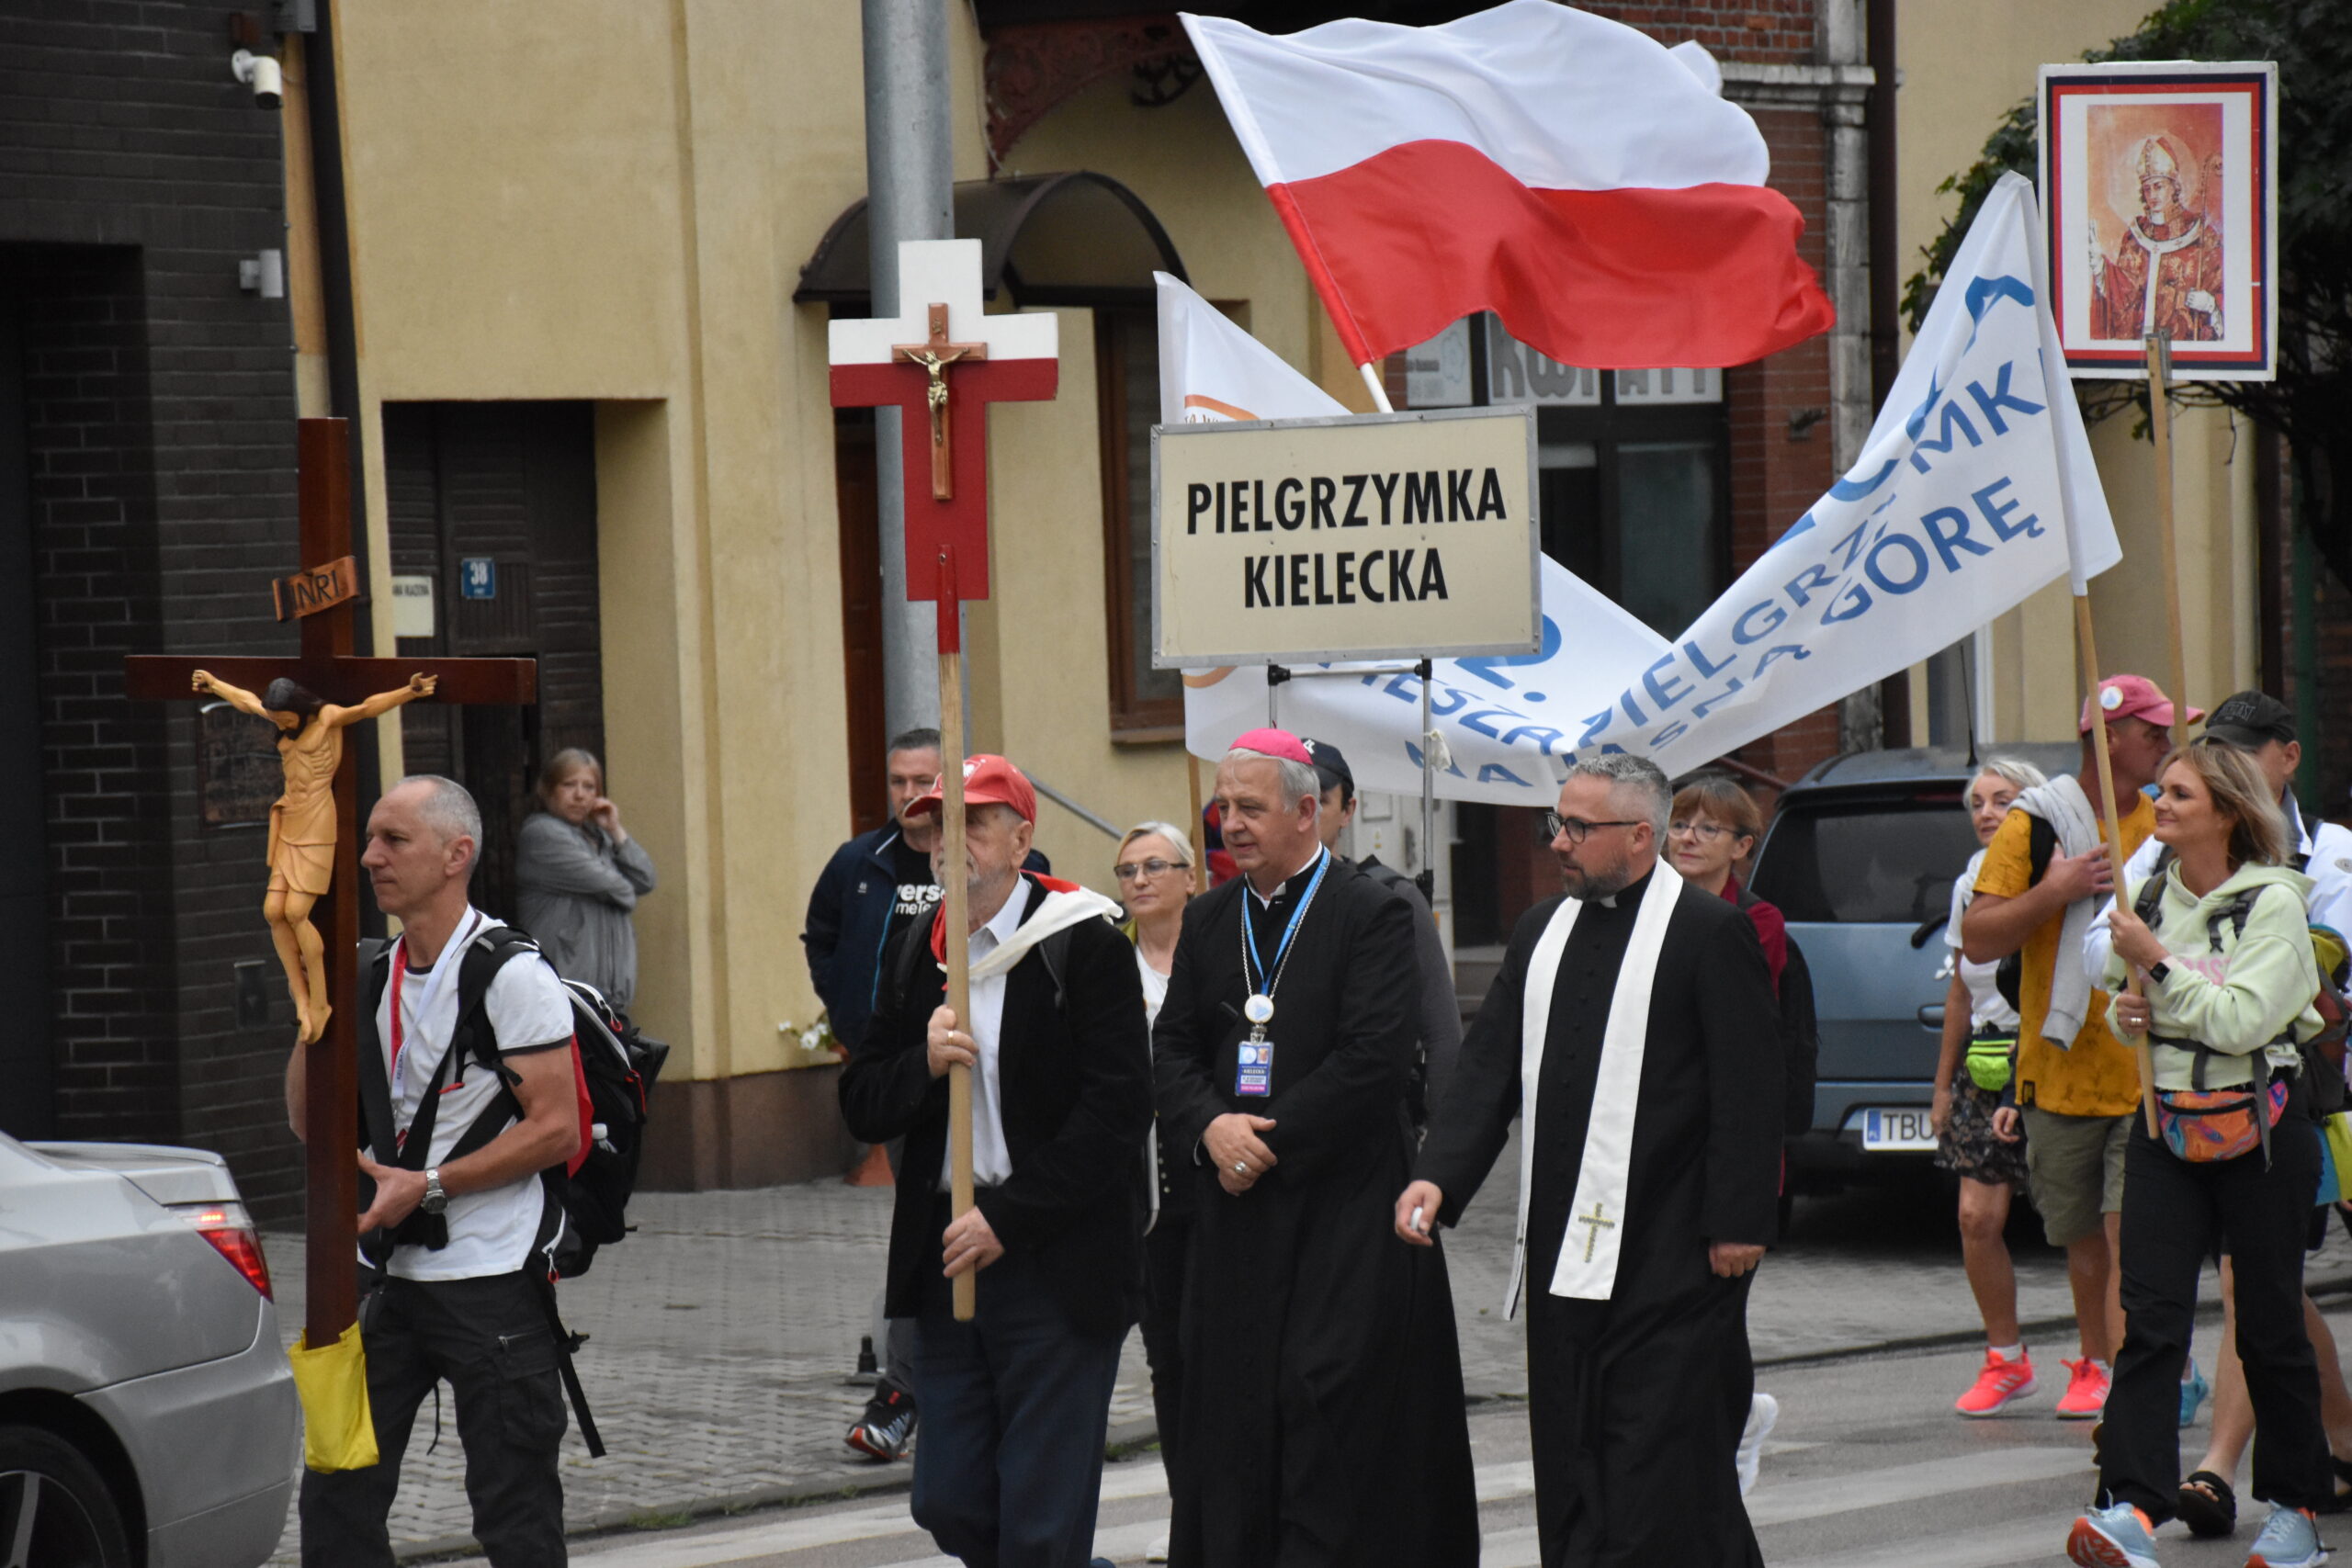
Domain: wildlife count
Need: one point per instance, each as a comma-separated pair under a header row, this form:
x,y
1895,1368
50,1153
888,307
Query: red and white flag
x,y
1568,173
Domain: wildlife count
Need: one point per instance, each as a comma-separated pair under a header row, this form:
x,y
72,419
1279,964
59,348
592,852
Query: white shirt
x,y
1155,989
2329,866
1986,1007
992,1162
490,1232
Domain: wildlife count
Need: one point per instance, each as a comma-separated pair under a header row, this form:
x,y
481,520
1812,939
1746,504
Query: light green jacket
x,y
2241,998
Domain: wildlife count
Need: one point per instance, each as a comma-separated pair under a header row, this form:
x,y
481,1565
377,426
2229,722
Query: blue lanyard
x,y
1249,935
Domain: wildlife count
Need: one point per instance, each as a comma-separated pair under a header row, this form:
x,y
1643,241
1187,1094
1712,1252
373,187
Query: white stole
x,y
1588,1266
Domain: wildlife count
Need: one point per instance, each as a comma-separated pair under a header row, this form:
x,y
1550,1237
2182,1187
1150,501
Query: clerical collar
x,y
1292,885
1629,894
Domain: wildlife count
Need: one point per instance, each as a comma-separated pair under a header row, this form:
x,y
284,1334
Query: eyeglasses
x,y
1127,871
1706,832
1575,828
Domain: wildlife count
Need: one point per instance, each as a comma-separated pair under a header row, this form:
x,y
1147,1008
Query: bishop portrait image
x,y
2158,187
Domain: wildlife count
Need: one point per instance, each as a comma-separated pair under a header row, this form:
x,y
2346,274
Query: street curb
x,y
882,1480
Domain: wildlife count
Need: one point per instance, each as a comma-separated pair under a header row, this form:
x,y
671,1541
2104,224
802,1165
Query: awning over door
x,y
1076,239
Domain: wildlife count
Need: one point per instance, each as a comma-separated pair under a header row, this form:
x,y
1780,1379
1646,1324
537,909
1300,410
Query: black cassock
x,y
1636,1404
1322,1407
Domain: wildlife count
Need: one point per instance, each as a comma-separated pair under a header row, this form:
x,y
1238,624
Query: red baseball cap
x,y
2131,696
988,781
1275,743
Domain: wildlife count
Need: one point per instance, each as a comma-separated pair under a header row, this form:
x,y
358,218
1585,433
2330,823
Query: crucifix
x,y
1593,1225
313,827
969,358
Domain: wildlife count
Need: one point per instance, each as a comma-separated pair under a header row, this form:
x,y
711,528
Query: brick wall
x,y
134,174
1766,32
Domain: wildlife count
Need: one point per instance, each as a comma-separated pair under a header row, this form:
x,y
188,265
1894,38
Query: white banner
x,y
1958,510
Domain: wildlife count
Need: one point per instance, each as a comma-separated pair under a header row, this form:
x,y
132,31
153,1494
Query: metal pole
x,y
1427,877
909,184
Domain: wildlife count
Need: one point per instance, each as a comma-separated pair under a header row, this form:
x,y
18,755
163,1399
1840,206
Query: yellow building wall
x,y
1963,66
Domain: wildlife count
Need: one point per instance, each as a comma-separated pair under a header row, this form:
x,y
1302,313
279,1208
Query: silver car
x,y
143,1394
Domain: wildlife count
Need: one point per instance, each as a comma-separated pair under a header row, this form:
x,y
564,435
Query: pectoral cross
x,y
1593,1225
935,354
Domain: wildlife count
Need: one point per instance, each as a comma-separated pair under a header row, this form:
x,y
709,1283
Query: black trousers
x,y
2176,1214
1165,1250
489,1338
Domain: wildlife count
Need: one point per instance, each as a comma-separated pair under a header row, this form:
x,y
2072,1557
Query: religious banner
x,y
2160,181
1360,536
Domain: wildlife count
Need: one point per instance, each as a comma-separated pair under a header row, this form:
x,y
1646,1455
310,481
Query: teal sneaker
x,y
2289,1540
2116,1538
2194,1391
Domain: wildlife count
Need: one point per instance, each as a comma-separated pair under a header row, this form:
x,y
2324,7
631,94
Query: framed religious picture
x,y
2159,182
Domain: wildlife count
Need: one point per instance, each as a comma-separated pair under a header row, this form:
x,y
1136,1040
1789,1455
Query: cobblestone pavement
x,y
725,1328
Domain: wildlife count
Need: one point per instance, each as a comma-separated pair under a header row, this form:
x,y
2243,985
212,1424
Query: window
x,y
1889,860
1145,703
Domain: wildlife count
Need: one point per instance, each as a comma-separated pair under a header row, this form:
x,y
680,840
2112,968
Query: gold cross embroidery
x,y
1593,1225
935,355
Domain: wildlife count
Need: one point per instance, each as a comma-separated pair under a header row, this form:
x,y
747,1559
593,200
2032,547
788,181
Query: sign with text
x,y
1367,536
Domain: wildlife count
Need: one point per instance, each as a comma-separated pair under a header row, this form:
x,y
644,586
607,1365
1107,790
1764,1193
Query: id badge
x,y
1253,1073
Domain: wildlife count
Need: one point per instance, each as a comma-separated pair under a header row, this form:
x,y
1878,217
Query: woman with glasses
x,y
1155,872
1714,826
1973,1141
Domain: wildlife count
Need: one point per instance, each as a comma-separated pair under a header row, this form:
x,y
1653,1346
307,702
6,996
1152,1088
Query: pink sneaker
x,y
2086,1393
1998,1383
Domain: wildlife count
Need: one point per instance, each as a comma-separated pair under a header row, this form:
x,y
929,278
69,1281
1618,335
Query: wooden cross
x,y
999,358
322,597
935,354
1593,1225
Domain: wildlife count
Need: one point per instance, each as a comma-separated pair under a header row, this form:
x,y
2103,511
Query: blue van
x,y
1861,857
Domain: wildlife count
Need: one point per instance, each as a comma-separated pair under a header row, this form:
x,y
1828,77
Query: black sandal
x,y
2207,1506
2341,1503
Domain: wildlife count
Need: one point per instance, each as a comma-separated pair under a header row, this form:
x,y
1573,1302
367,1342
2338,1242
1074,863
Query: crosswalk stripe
x,y
1780,1503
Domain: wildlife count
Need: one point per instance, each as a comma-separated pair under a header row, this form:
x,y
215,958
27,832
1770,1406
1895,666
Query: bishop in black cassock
x,y
1323,1413
1637,1396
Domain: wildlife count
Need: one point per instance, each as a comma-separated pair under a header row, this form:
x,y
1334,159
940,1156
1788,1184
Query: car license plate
x,y
1898,1130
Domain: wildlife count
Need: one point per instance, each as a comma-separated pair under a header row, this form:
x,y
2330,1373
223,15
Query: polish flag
x,y
1570,173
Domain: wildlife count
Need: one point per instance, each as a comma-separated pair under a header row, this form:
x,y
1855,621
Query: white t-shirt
x,y
1155,989
1986,1007
490,1232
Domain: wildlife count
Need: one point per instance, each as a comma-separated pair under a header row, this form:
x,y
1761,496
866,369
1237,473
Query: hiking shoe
x,y
1998,1383
888,1426
2289,1540
1763,1411
2194,1391
2086,1393
2113,1538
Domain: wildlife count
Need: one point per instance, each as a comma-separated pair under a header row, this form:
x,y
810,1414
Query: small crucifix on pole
x,y
314,828
974,359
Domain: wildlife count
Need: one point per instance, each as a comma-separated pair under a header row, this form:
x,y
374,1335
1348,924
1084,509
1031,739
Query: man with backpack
x,y
2077,1086
1016,1401
1441,1015
459,1215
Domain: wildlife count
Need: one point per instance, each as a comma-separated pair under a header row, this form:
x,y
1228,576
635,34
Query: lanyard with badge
x,y
1254,1070
433,983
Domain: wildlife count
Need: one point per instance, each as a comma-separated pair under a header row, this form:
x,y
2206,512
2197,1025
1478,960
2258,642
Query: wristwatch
x,y
435,1199
2159,971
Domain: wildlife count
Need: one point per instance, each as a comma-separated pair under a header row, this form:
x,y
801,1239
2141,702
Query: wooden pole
x,y
2160,429
953,911
1199,829
2114,826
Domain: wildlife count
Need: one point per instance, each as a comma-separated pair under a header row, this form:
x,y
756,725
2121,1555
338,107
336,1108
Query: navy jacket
x,y
849,920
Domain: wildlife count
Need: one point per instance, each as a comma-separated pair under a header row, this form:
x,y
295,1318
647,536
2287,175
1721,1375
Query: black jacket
x,y
1076,1086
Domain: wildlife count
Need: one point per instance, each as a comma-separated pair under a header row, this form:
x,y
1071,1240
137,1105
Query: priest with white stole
x,y
1633,1032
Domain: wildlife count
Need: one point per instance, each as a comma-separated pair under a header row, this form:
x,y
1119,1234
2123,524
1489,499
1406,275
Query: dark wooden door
x,y
26,1076
856,499
512,487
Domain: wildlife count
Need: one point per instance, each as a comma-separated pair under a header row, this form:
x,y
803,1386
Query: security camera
x,y
260,72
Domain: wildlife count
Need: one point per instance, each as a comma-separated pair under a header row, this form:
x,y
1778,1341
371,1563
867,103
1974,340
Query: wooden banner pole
x,y
2114,826
1199,829
954,910
2160,430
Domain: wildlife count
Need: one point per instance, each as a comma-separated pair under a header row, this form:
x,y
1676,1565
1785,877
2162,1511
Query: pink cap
x,y
988,781
2131,696
1275,743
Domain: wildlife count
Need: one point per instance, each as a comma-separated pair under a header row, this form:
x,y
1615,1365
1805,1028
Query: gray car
x,y
147,1413
1861,857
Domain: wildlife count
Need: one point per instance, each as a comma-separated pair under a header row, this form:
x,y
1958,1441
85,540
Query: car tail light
x,y
231,1231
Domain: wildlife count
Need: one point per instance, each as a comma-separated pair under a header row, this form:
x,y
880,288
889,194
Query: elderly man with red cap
x,y
1322,1403
1016,1401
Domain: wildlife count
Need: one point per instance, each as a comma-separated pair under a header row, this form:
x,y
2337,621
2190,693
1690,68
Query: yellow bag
x,y
338,1427
2338,1129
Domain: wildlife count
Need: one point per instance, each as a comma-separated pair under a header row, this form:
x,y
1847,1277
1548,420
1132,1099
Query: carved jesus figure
x,y
302,820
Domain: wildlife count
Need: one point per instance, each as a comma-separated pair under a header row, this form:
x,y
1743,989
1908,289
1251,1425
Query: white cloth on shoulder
x,y
2063,805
